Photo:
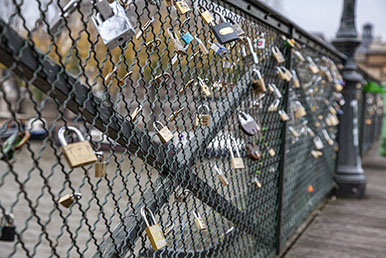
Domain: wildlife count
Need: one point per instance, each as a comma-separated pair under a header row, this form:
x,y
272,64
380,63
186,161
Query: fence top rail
x,y
265,12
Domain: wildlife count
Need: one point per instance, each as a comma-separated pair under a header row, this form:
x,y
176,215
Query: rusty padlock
x,y
253,151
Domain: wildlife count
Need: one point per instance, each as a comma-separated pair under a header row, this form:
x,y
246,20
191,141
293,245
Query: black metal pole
x,y
349,172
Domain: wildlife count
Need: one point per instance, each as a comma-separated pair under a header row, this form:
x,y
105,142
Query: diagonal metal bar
x,y
47,77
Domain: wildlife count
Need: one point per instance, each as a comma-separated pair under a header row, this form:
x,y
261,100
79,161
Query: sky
x,y
324,15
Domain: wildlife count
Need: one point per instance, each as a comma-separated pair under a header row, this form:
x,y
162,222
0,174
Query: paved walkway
x,y
350,228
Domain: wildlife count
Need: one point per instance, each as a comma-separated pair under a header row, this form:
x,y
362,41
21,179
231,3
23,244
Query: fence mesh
x,y
68,77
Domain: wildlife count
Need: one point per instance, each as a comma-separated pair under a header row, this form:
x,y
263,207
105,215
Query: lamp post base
x,y
350,185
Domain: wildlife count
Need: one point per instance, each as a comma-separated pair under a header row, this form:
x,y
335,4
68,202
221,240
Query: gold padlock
x,y
278,55
69,199
295,79
298,55
221,175
168,3
237,163
271,152
199,222
315,154
201,118
338,86
313,67
274,106
205,15
79,153
182,7
256,181
293,131
258,85
204,88
283,115
154,232
299,110
175,114
164,134
287,73
280,74
100,165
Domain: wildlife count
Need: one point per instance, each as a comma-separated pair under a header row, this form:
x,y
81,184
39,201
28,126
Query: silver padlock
x,y
273,89
248,124
112,23
58,21
237,163
251,58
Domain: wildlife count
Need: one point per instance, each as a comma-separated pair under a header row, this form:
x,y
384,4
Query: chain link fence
x,y
122,98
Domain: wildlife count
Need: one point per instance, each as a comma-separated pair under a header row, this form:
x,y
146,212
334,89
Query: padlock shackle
x,y
157,41
201,107
184,23
77,196
63,129
221,16
219,171
195,214
9,219
155,125
147,24
143,213
99,155
257,72
169,228
23,141
230,148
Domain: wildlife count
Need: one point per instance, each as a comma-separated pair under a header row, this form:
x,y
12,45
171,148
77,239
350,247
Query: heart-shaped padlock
x,y
253,151
248,124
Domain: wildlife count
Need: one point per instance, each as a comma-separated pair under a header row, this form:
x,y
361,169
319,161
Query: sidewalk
x,y
350,228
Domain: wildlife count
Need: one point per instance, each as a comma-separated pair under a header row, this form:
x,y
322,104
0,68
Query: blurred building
x,y
371,55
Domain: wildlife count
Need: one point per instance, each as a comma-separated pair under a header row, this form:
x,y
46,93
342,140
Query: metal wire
x,y
62,80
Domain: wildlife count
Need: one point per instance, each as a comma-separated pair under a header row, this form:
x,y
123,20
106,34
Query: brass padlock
x,y
287,73
161,79
271,152
204,88
310,132
313,67
299,55
274,106
79,153
327,137
221,175
315,154
164,134
283,115
177,43
154,232
205,15
237,163
69,199
100,165
293,131
201,118
199,222
338,86
273,89
256,181
258,85
295,79
278,55
182,7
168,3
280,74
299,110
175,114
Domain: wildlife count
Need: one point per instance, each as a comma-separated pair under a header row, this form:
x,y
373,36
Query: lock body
x,y
224,32
256,181
79,154
207,17
250,128
187,38
202,120
8,233
258,86
271,152
100,169
156,237
219,49
283,115
296,83
66,200
112,23
223,179
200,223
237,163
182,7
253,151
205,90
278,55
300,112
165,135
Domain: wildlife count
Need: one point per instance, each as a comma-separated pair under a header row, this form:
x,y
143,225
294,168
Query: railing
x,y
60,80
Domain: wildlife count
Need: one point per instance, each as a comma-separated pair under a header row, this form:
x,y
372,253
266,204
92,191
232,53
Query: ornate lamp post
x,y
349,172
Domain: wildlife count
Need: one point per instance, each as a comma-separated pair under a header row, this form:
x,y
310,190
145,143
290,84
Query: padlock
x,y
239,31
328,75
182,6
136,113
221,175
237,163
318,143
273,89
219,49
201,45
205,15
175,114
112,23
169,228
224,32
69,199
100,165
251,58
278,55
256,181
310,132
298,55
187,85
144,28
274,106
57,23
248,124
283,115
327,137
201,118
13,143
258,85
315,154
261,41
289,42
161,79
199,222
332,110
280,74
168,3
271,152
164,134
8,228
299,110
154,232
293,131
79,153
253,151
183,195
287,73
204,88
295,79
338,86
186,36
313,67
176,43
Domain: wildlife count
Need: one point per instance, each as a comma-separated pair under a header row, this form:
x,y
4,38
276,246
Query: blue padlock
x,y
187,37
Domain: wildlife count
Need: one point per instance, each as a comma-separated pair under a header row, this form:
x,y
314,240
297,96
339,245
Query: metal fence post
x,y
349,172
